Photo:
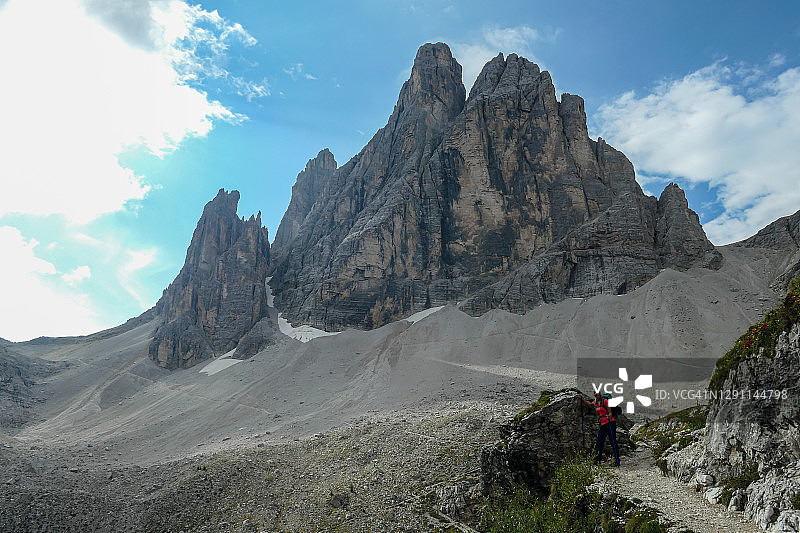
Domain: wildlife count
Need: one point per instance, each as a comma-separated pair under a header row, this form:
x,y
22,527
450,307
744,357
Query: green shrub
x,y
644,521
673,428
744,479
569,508
761,335
685,441
725,497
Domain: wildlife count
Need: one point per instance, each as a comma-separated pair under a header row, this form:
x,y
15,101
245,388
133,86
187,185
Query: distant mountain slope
x,y
501,199
782,240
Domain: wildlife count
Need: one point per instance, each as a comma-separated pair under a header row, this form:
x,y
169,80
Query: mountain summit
x,y
499,200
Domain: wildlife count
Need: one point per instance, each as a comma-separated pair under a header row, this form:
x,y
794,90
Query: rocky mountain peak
x,y
680,238
435,82
501,75
220,293
501,200
310,184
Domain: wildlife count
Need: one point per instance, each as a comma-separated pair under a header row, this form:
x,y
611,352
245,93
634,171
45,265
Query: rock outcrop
x,y
535,443
751,433
680,239
497,200
220,293
19,375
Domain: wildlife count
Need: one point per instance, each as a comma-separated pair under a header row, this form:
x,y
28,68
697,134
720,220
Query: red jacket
x,y
604,413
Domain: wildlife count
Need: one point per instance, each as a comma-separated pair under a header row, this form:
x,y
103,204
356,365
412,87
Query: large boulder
x,y
556,428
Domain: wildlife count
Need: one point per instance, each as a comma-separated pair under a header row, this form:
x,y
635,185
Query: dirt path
x,y
640,478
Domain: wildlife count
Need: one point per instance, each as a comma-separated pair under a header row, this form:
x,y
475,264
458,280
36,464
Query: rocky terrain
x,y
472,253
379,473
555,428
19,377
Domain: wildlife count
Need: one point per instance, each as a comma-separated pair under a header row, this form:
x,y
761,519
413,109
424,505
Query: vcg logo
x,y
616,390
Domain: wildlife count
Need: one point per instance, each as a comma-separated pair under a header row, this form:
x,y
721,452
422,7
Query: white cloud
x,y
82,94
776,60
494,39
732,129
83,82
296,71
35,301
77,275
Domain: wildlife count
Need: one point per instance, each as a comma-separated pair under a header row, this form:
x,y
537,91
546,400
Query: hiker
x,y
608,426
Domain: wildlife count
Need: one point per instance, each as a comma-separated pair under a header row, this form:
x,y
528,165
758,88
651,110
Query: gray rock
x,y
758,431
680,239
454,499
19,377
775,490
713,495
787,521
744,434
220,293
738,500
340,500
783,235
702,480
260,336
310,185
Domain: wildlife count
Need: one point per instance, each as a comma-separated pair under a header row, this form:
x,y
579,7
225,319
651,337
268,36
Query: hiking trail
x,y
638,477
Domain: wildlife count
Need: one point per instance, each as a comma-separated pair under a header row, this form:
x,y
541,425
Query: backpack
x,y
616,410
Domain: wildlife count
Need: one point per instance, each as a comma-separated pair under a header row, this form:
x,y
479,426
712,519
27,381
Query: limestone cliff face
x,y
499,200
759,431
220,293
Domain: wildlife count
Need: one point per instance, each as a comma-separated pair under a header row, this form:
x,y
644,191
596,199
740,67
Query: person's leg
x,y
612,437
601,442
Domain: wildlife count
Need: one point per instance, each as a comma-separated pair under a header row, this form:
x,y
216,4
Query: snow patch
x,y
220,364
270,297
416,317
302,333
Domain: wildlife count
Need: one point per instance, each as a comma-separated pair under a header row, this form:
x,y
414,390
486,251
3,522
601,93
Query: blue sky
x,y
122,119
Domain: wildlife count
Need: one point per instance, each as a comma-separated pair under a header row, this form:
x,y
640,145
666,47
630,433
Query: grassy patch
x,y
645,521
761,335
796,501
725,497
544,398
673,428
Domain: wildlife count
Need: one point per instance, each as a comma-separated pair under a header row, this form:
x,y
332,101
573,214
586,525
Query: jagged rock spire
x,y
220,293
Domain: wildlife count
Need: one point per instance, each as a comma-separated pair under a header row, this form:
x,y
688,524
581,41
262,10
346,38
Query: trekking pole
x,y
583,433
